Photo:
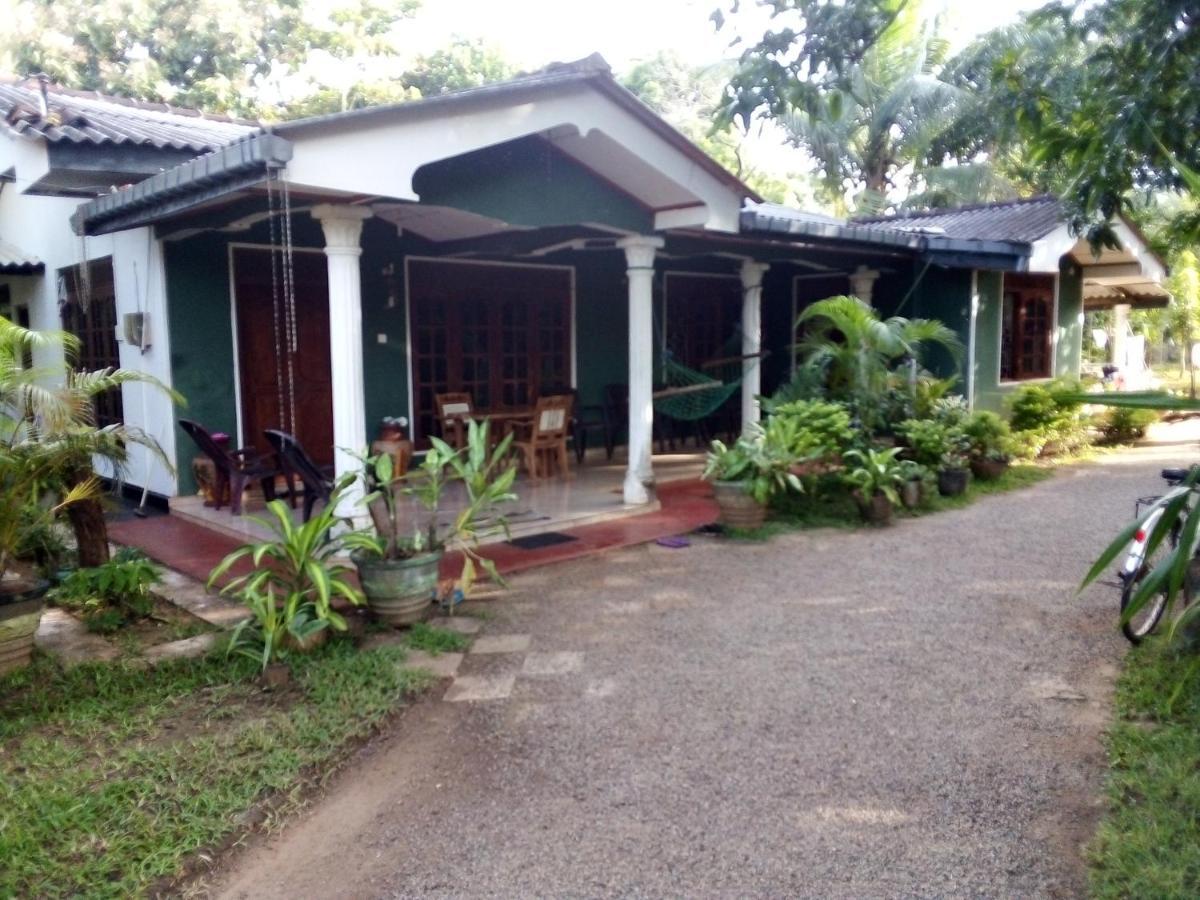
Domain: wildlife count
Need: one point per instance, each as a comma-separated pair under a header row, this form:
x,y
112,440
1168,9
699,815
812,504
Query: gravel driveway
x,y
914,711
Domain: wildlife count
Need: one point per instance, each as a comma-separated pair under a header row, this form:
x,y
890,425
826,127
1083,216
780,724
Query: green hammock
x,y
691,394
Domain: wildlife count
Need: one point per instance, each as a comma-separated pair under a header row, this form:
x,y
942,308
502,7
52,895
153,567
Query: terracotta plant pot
x,y
737,508
875,511
911,493
952,482
989,469
308,644
21,608
399,591
275,676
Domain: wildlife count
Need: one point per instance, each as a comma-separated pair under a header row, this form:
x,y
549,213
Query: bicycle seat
x,y
1174,475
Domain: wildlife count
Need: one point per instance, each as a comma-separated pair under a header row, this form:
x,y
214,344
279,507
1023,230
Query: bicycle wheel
x,y
1146,619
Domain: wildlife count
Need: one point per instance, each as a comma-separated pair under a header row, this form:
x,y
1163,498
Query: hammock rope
x,y
691,394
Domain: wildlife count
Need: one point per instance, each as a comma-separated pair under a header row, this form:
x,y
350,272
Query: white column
x,y
639,260
1120,343
343,228
862,283
752,276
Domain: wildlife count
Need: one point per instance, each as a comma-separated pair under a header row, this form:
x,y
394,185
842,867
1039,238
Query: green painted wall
x,y
1070,320
988,393
528,182
201,341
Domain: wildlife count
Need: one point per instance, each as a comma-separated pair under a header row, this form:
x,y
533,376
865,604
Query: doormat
x,y
546,539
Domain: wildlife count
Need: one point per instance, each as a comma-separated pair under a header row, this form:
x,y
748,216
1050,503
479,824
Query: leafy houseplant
x,y
941,448
876,476
399,569
913,488
990,444
296,578
748,474
819,432
112,595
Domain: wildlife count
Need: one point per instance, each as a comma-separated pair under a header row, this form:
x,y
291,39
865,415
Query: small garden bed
x,y
113,777
1149,844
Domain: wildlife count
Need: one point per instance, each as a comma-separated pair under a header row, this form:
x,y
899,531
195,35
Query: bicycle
x,y
1137,567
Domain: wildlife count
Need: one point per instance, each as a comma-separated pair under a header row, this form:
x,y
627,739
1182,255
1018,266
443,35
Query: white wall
x,y
41,226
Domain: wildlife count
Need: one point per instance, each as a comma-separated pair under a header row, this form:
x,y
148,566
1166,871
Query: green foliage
x,y
1149,842
1122,425
111,776
988,436
935,444
857,353
818,429
486,477
113,595
876,472
423,636
762,461
1047,414
301,568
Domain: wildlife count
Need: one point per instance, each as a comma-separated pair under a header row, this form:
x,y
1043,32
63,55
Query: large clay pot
x,y
952,482
21,608
875,511
737,508
989,469
399,591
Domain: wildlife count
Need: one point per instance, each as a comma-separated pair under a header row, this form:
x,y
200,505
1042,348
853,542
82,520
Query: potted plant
x,y
912,490
747,475
876,476
954,474
990,443
297,576
940,447
399,570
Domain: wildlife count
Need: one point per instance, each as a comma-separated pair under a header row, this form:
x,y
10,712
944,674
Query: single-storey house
x,y
321,274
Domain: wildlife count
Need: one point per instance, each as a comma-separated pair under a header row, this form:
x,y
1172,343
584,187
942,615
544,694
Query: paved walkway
x,y
914,711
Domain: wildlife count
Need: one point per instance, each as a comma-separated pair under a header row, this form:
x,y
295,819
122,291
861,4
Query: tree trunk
x,y
91,531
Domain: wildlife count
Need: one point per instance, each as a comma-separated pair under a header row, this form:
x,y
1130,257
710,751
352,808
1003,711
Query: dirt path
x,y
912,711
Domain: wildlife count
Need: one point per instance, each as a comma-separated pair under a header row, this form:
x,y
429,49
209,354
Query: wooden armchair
x,y
296,463
453,411
235,469
542,438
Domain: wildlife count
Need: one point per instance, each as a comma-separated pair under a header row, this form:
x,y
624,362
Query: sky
x,y
532,33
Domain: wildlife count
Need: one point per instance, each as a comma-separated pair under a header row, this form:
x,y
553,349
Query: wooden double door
x,y
501,333
270,388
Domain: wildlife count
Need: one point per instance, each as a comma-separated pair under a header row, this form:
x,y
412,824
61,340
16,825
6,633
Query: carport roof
x,y
15,261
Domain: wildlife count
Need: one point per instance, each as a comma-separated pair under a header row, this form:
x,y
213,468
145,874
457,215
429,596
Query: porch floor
x,y
588,507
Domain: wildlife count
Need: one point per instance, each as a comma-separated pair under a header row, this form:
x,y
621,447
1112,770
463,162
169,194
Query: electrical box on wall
x,y
137,330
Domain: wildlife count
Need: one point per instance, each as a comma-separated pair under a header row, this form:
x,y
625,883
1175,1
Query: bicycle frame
x,y
1137,547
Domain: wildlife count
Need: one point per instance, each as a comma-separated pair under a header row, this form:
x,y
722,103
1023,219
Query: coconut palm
x,y
855,353
890,109
48,430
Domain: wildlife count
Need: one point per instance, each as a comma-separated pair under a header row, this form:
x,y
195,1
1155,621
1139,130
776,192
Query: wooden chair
x,y
543,437
585,419
296,463
235,469
453,411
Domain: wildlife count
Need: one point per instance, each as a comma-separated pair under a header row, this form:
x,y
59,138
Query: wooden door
x,y
263,355
499,333
704,313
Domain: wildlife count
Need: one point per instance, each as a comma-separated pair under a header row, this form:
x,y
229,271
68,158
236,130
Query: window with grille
x,y
90,313
1027,327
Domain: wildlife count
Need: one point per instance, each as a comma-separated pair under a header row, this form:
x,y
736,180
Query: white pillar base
x,y
342,225
639,258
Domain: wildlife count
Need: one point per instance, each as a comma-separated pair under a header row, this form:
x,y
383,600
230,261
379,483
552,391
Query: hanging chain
x,y
289,282
275,303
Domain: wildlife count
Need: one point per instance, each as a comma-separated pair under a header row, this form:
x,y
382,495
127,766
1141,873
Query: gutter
x,y
172,191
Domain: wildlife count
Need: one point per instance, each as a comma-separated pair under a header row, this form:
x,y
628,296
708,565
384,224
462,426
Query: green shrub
x,y
1043,414
934,444
1033,408
988,435
1122,426
110,596
820,429
761,461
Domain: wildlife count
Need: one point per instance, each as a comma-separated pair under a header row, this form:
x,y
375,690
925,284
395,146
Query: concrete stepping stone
x,y
468,688
62,635
187,648
444,665
189,594
501,643
550,664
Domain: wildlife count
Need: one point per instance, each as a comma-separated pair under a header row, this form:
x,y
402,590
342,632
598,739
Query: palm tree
x,y
48,430
855,353
892,107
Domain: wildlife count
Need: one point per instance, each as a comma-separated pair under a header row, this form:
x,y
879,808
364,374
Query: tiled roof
x,y
1021,221
15,261
91,118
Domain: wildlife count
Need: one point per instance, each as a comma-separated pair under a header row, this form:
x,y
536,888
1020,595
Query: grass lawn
x,y
835,508
1149,844
112,776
